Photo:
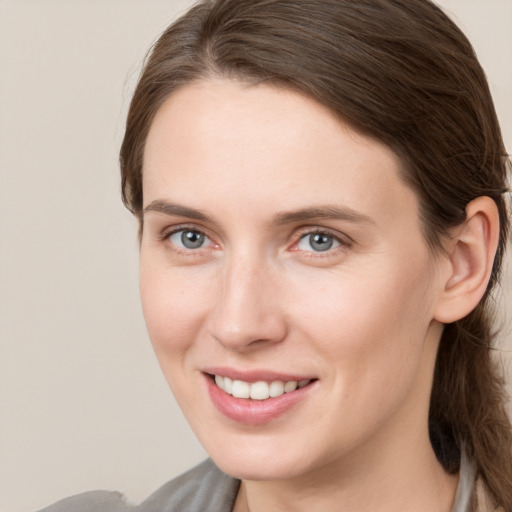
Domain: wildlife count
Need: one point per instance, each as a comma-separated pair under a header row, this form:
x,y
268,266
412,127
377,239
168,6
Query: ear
x,y
470,259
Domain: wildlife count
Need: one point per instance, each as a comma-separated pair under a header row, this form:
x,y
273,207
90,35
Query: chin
x,y
264,457
270,468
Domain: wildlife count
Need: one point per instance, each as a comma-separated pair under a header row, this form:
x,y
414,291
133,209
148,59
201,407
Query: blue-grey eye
x,y
189,239
317,242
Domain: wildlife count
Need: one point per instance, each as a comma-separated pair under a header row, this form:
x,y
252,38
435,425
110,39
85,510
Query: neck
x,y
406,477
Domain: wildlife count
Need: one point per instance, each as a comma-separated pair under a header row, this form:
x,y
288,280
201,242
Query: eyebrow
x,y
281,218
176,210
322,212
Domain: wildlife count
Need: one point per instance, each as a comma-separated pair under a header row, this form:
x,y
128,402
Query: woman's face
x,y
281,248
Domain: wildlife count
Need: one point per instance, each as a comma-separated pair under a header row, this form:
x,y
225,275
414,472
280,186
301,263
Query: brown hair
x,y
399,71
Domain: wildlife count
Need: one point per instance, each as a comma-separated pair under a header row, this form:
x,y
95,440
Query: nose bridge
x,y
246,309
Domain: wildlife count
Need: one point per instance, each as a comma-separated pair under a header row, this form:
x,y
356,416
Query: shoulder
x,y
482,500
472,493
204,488
106,501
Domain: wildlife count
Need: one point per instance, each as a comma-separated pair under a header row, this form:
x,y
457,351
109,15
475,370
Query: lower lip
x,y
254,412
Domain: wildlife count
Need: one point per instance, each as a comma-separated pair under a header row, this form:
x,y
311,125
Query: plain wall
x,y
82,402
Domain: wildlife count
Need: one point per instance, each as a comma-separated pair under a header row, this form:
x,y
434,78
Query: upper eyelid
x,y
170,230
310,230
295,236
165,238
176,222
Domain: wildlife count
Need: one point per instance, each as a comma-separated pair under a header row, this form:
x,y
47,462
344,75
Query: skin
x,y
362,317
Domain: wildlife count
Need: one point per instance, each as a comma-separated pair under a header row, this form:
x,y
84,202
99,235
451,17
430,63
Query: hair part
x,y
401,72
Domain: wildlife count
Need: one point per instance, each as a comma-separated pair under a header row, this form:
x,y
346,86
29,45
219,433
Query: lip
x,y
255,412
255,375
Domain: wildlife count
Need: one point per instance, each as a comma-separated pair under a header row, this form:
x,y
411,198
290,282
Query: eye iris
x,y
192,239
321,242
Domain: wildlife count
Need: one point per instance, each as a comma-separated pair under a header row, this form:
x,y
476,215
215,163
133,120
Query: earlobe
x,y
470,258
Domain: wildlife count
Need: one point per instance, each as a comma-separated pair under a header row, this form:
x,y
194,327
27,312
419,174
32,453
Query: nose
x,y
248,313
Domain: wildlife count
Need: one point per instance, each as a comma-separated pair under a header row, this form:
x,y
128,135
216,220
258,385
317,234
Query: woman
x,y
320,187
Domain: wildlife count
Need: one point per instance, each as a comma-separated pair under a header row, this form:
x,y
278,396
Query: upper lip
x,y
256,375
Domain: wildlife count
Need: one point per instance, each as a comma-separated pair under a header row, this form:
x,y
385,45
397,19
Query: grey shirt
x,y
206,488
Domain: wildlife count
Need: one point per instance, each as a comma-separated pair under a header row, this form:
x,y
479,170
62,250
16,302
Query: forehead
x,y
272,147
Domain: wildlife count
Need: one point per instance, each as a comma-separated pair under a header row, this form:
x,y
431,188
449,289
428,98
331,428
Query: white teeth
x,y
290,386
260,390
276,388
228,385
241,389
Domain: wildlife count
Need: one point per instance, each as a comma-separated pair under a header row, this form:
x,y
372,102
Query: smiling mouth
x,y
261,390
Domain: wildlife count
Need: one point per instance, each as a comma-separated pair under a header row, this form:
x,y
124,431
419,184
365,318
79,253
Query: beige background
x,y
82,402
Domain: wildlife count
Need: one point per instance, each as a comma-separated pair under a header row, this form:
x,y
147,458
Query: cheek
x,y
174,305
373,344
372,324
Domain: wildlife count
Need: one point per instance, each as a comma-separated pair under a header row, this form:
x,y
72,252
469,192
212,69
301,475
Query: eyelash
x,y
344,241
166,238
